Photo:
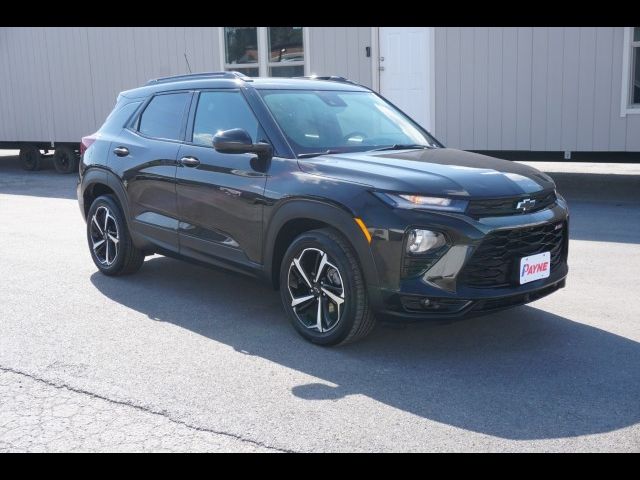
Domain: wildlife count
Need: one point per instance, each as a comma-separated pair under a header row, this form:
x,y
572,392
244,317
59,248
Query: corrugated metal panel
x,y
480,85
61,83
440,128
496,88
509,87
570,85
452,90
553,100
586,88
364,64
532,89
524,70
466,88
539,84
602,89
340,51
618,124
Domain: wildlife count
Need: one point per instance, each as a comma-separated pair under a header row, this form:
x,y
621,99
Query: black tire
x,y
127,259
65,159
30,158
351,323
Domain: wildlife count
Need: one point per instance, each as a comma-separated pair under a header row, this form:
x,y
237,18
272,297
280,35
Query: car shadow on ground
x,y
520,374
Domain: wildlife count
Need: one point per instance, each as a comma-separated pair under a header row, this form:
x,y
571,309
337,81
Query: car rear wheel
x,y
323,290
109,240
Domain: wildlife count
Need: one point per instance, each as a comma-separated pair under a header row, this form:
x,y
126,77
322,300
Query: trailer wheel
x,y
65,159
30,157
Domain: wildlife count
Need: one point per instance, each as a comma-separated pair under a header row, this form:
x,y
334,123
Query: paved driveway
x,y
179,357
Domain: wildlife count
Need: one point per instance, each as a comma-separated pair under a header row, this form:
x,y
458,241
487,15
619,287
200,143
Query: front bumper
x,y
399,306
441,291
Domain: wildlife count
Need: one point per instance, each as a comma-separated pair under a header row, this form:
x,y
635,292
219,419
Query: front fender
x,y
335,216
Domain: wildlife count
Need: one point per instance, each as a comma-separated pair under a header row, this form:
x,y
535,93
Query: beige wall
x,y
542,88
61,83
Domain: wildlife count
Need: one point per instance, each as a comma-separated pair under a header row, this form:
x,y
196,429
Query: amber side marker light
x,y
363,227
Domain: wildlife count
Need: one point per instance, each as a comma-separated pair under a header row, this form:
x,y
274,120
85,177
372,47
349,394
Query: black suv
x,y
324,189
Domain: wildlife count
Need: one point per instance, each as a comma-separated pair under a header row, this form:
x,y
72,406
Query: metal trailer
x,y
493,89
59,84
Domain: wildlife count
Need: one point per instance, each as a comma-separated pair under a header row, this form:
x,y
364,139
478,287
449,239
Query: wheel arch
x,y
98,182
300,215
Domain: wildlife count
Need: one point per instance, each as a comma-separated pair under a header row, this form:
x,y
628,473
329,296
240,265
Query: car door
x,y
220,195
145,158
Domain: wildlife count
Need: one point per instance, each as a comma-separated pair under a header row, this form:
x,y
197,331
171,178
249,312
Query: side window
x,y
118,117
302,117
219,111
162,118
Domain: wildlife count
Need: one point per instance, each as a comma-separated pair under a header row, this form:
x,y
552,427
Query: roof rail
x,y
331,78
196,76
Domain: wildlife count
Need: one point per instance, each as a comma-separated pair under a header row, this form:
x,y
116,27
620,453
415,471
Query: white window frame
x,y
626,107
263,64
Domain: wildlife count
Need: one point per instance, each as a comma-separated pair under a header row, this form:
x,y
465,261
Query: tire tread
x,y
365,320
362,320
133,257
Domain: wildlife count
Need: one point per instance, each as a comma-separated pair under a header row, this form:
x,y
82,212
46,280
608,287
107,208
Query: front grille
x,y
496,261
496,207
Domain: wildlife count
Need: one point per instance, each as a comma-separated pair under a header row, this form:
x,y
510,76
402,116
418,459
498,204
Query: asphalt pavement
x,y
179,357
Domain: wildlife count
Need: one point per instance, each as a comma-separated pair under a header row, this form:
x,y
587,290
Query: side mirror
x,y
237,140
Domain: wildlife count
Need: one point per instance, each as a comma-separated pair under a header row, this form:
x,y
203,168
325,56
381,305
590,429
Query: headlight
x,y
422,202
419,241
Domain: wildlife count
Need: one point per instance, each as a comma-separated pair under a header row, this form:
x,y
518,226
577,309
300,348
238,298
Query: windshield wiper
x,y
317,154
396,146
401,146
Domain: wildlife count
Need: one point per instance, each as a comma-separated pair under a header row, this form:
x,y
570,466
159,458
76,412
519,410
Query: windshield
x,y
320,121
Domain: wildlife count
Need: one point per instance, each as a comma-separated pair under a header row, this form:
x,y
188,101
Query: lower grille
x,y
514,300
495,262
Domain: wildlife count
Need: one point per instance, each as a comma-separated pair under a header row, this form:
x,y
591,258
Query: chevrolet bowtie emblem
x,y
526,204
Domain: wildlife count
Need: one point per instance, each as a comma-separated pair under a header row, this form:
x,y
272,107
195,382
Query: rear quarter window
x,y
164,115
119,116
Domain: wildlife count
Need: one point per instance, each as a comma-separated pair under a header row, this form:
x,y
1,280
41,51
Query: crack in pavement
x,y
161,413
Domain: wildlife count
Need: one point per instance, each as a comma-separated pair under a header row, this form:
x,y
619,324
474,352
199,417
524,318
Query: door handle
x,y
121,151
190,161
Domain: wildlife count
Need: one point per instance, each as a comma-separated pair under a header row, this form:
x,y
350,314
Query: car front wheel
x,y
323,289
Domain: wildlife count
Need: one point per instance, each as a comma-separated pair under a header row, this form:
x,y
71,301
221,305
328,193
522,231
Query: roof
x,y
234,80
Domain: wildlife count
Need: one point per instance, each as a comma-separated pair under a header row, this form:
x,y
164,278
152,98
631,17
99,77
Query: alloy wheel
x,y
105,238
316,289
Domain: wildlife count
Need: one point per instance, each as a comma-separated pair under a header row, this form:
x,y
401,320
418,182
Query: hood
x,y
439,171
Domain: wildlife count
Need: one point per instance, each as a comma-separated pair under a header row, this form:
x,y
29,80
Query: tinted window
x,y
118,117
163,116
219,111
241,45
